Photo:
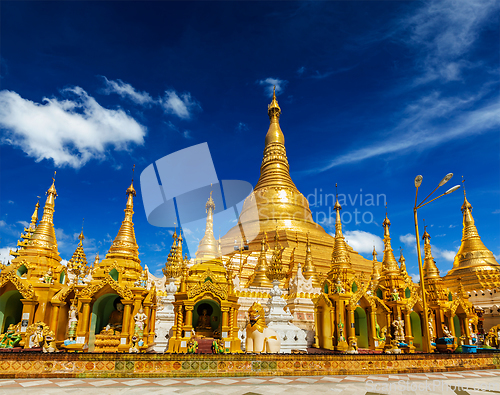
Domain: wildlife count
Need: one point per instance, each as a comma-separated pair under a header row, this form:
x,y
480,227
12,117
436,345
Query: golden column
x,y
83,323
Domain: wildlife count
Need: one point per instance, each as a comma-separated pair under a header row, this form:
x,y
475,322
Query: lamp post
x,y
418,181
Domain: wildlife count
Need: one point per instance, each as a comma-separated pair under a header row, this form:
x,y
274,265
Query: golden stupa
x,y
282,208
474,265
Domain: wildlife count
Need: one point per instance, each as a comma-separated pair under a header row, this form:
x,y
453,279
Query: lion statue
x,y
260,338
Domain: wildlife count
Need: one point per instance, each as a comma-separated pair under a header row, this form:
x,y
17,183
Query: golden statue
x,y
204,320
116,318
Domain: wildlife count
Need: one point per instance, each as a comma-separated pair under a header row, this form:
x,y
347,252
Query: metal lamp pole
x,y
418,181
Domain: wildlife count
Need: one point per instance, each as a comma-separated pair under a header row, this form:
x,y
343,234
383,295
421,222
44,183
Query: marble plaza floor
x,y
473,382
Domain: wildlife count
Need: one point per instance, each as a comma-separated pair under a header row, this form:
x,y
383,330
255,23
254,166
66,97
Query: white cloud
x,y
23,223
446,254
181,106
363,242
127,91
444,32
4,254
70,131
10,202
415,278
408,240
497,257
270,83
496,211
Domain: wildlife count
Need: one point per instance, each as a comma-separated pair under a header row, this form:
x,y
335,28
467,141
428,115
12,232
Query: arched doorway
x,y
361,327
11,309
207,317
416,330
101,310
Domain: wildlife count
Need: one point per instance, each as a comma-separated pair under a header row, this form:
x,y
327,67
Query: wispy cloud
x,y
182,106
443,31
418,129
127,91
496,211
270,83
70,131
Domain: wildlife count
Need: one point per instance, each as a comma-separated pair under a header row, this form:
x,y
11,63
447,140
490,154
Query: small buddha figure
x,y
116,318
204,320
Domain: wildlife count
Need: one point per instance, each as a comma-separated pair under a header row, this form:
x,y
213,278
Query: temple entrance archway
x,y
361,327
101,311
416,330
11,309
207,317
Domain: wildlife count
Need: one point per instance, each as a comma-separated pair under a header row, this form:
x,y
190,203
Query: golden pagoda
x,y
437,296
111,305
334,309
35,274
281,205
474,264
206,306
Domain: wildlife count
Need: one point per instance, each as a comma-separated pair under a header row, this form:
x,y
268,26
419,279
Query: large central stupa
x,y
282,208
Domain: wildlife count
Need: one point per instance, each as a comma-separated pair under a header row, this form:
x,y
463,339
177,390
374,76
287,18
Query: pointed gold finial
x,y
259,278
389,263
81,237
430,268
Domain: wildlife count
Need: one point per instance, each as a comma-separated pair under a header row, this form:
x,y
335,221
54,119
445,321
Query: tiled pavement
x,y
459,383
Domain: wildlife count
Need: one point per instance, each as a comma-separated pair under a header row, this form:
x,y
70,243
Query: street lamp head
x,y
445,179
418,181
453,189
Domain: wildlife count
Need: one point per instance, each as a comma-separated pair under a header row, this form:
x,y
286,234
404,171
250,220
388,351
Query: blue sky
x,y
372,94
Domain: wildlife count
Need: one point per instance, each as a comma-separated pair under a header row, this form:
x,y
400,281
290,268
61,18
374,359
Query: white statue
x,y
260,338
447,332
140,321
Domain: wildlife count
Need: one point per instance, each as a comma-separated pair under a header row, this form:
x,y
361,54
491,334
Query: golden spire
x,y
77,265
340,254
260,278
472,253
44,236
27,231
274,170
34,218
402,262
309,270
172,267
376,270
124,248
96,261
389,264
208,249
430,268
